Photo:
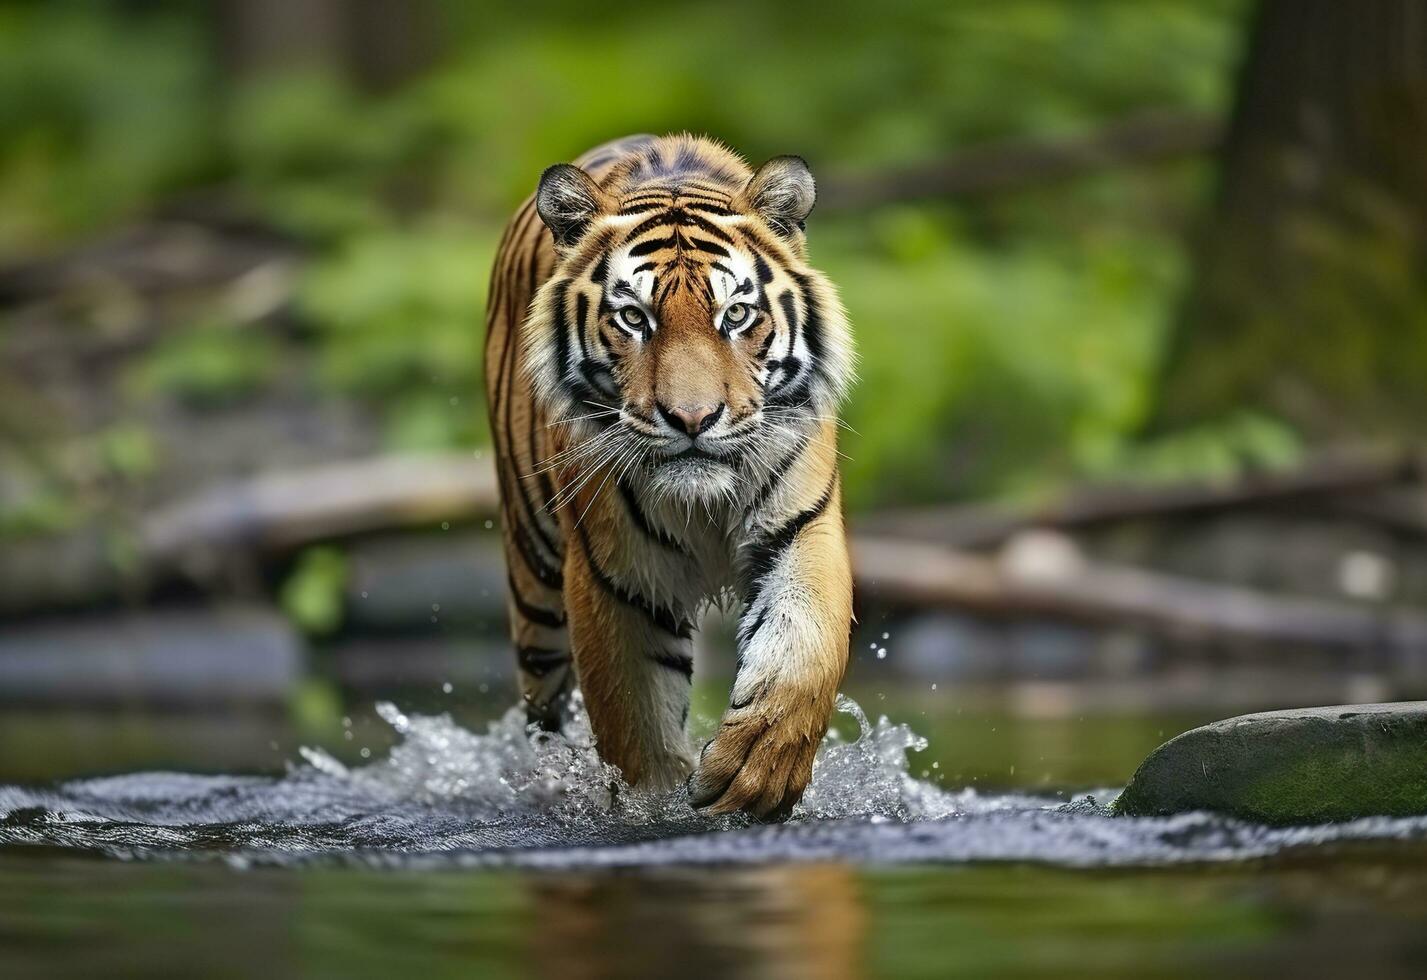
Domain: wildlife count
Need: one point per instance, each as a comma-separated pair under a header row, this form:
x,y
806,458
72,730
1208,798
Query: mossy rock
x,y
1307,765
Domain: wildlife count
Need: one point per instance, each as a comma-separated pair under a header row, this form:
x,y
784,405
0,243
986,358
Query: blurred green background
x,y
1164,247
1010,342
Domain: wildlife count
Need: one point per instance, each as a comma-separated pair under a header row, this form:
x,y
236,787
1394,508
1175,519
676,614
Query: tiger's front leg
x,y
793,644
634,659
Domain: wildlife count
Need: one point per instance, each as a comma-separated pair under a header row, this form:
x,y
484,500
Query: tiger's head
x,y
682,332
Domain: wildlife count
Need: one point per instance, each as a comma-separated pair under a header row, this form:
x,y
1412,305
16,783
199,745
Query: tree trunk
x,y
377,44
1310,301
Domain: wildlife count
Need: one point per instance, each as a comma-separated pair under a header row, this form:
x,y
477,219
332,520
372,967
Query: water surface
x,y
492,852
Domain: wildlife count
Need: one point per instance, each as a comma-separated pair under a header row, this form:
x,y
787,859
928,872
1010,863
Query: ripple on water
x,y
447,795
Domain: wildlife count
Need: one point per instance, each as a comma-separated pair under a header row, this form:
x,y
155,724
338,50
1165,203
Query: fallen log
x,y
282,511
1044,574
1340,473
1017,164
202,538
897,561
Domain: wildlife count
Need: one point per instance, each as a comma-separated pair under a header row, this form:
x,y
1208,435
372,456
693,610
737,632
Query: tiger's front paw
x,y
759,762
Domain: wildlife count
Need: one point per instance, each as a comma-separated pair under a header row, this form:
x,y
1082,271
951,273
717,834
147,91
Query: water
x,y
473,850
446,796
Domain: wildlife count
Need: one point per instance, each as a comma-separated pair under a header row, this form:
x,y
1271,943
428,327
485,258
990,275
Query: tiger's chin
x,y
694,479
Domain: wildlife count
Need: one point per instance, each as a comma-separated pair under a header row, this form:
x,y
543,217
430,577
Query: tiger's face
x,y
682,334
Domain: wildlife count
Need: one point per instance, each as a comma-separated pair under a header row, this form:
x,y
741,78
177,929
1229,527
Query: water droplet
x,y
445,525
489,524
886,635
881,653
366,753
447,688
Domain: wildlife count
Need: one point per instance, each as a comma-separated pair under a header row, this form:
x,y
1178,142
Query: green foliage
x,y
400,308
128,451
312,594
991,370
207,366
97,117
1007,345
315,709
398,314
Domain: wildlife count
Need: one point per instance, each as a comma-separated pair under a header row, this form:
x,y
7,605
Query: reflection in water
x,y
762,922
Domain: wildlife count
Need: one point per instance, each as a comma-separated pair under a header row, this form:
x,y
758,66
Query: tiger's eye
x,y
632,317
737,315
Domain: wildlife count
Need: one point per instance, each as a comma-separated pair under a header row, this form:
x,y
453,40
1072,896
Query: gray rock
x,y
1307,765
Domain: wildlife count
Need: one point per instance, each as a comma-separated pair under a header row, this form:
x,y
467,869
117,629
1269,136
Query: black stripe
x,y
600,269
664,618
813,330
679,662
767,343
539,661
598,377
653,245
668,216
642,522
791,367
540,617
696,204
775,477
790,313
747,632
765,271
699,245
704,225
561,327
645,202
764,554
582,312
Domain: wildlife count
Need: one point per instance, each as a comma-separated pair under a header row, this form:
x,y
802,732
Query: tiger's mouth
x,y
693,464
693,455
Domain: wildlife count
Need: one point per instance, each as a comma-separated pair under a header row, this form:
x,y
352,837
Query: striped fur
x,y
663,375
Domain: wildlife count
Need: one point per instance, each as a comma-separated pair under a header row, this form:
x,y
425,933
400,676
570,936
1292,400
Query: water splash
x,y
508,796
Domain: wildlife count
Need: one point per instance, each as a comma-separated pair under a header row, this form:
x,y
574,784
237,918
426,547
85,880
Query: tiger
x,y
664,372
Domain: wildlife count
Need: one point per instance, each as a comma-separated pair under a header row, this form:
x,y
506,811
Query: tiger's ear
x,y
568,199
783,193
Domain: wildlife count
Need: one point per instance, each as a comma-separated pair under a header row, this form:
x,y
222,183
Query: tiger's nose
x,y
692,419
